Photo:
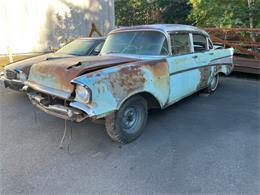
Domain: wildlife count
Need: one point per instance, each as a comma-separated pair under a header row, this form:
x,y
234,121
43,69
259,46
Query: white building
x,y
37,25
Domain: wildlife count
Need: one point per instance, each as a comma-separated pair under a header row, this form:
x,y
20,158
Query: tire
x,y
213,84
128,123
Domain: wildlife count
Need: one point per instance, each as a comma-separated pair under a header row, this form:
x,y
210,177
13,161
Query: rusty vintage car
x,y
16,73
139,67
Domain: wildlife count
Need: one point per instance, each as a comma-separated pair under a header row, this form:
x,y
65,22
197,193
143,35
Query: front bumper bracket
x,y
60,111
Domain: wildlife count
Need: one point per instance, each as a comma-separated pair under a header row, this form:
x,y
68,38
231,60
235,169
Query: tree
x,y
134,12
224,13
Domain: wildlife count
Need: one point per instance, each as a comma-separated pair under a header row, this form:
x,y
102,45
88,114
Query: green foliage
x,y
224,13
204,13
134,12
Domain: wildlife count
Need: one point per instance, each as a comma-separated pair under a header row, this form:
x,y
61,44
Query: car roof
x,y
162,27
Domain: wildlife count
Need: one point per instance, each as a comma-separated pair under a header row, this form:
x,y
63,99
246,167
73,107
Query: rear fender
x,y
222,61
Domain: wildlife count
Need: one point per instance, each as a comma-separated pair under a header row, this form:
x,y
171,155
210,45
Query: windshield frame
x,y
166,35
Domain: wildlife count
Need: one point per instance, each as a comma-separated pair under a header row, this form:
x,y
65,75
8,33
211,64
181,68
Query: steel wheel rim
x,y
130,118
214,83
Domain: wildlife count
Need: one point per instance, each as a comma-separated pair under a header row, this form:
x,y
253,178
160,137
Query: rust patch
x,y
126,80
123,82
218,68
158,68
204,76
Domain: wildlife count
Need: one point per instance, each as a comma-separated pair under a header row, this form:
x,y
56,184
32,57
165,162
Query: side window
x,y
180,43
199,43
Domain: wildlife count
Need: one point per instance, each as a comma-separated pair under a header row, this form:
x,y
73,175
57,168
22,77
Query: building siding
x,y
35,26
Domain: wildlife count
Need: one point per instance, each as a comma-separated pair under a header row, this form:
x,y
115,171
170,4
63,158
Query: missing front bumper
x,y
60,111
12,84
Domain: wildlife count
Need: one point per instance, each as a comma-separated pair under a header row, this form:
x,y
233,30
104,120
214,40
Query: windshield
x,y
136,42
79,47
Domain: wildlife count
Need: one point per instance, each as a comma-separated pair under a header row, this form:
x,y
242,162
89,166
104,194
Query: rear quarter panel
x,y
222,61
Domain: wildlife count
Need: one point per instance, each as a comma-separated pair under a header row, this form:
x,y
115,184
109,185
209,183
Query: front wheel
x,y
128,122
213,84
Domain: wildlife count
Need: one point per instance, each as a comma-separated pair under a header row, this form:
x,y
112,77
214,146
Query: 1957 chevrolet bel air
x,y
140,67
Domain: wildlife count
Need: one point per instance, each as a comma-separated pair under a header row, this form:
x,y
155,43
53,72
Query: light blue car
x,y
139,67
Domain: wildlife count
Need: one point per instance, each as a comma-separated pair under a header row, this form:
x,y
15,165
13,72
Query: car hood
x,y
25,65
54,77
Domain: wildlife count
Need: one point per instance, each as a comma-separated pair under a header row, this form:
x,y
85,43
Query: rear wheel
x,y
213,84
128,122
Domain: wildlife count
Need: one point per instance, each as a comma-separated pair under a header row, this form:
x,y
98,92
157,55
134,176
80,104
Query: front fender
x,y
112,86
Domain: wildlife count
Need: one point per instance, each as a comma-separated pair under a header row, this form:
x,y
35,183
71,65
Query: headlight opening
x,y
83,93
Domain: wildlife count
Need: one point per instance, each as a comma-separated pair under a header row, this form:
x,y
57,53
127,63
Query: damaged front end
x,y
50,86
56,106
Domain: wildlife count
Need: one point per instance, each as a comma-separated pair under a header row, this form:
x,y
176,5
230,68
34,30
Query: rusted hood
x,y
57,74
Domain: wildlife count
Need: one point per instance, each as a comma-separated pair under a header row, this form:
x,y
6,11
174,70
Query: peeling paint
x,y
204,77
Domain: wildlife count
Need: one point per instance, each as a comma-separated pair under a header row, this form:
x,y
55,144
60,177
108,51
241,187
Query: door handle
x,y
194,57
211,53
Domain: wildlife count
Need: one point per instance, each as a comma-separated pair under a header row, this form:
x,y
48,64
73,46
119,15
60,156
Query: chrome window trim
x,y
209,41
191,42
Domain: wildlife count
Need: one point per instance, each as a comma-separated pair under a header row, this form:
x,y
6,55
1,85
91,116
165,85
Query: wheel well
x,y
151,100
222,74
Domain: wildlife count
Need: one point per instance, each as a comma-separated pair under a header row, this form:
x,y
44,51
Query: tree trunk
x,y
251,23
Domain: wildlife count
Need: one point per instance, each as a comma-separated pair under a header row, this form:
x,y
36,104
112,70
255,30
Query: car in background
x,y
138,68
16,73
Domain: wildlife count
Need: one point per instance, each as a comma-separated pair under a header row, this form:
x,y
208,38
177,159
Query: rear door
x,y
202,57
182,67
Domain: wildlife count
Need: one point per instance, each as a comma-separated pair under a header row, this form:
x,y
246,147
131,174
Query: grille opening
x,y
53,100
10,74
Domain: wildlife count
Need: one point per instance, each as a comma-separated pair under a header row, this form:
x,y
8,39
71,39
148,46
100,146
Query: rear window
x,y
199,43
